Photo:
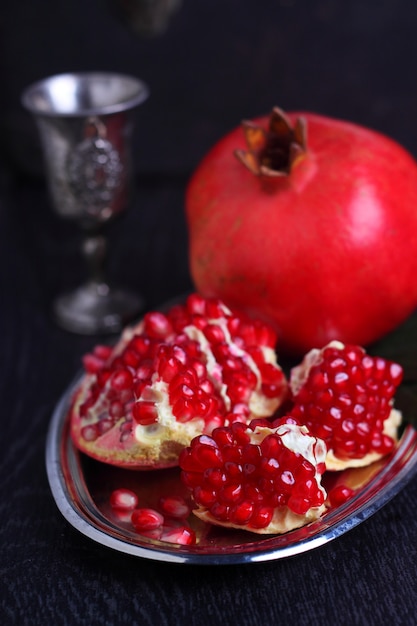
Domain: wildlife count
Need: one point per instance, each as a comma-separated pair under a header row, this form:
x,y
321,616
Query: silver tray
x,y
81,488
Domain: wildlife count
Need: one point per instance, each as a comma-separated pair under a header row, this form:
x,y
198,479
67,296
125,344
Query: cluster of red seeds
x,y
161,350
242,483
346,399
166,523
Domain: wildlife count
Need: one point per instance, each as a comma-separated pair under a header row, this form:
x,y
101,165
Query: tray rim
x,y
86,518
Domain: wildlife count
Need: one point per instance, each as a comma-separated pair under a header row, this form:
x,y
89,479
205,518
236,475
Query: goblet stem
x,y
95,307
94,248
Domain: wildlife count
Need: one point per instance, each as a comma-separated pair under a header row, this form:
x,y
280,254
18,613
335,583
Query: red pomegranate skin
x,y
327,252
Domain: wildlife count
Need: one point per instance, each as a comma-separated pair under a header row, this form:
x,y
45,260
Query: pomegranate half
x,y
265,480
346,397
173,376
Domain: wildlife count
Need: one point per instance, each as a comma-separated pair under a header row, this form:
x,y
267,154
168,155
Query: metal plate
x,y
81,488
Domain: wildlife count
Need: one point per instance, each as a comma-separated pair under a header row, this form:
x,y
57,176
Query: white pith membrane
x,y
159,444
168,427
298,440
299,376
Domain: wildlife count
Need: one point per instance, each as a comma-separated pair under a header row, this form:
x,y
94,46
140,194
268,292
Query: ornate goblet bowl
x,y
85,121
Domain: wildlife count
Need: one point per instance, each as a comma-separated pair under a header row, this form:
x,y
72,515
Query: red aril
x,y
145,519
340,494
184,535
174,506
123,499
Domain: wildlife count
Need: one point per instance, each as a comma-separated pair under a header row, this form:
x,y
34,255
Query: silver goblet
x,y
85,121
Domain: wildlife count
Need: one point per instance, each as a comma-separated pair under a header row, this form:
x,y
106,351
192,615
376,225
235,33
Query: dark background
x,y
217,62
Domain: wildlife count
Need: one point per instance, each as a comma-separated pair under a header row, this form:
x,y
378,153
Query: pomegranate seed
x,y
183,536
340,494
145,519
208,456
103,352
214,334
186,377
196,304
144,370
201,372
215,421
144,413
223,436
157,325
131,358
169,368
239,393
121,379
92,363
207,386
123,499
190,478
270,374
230,494
215,477
220,511
298,504
242,512
116,409
183,410
214,309
86,406
141,344
180,354
205,497
104,425
240,432
261,517
90,433
174,506
102,377
190,464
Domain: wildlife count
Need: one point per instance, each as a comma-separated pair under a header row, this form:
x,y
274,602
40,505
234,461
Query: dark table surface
x,y
352,62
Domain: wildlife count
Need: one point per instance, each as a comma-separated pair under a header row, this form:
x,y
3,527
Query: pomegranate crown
x,y
273,152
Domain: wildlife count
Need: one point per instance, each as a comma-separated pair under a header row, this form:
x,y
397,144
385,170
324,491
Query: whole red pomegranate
x,y
319,237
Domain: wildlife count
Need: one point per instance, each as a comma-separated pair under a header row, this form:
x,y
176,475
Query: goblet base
x,y
96,308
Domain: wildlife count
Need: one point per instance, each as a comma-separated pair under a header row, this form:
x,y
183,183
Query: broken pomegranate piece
x,y
346,397
175,375
265,480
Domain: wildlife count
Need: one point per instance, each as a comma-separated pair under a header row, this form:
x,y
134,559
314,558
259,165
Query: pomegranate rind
x,y
158,444
283,520
298,440
299,377
113,449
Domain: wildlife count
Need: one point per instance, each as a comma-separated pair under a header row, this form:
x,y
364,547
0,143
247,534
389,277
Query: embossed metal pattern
x,y
95,171
85,122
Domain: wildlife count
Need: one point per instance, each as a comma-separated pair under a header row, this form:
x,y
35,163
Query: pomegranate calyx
x,y
272,153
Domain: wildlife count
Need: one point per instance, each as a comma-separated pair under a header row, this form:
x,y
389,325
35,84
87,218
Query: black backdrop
x,y
218,61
